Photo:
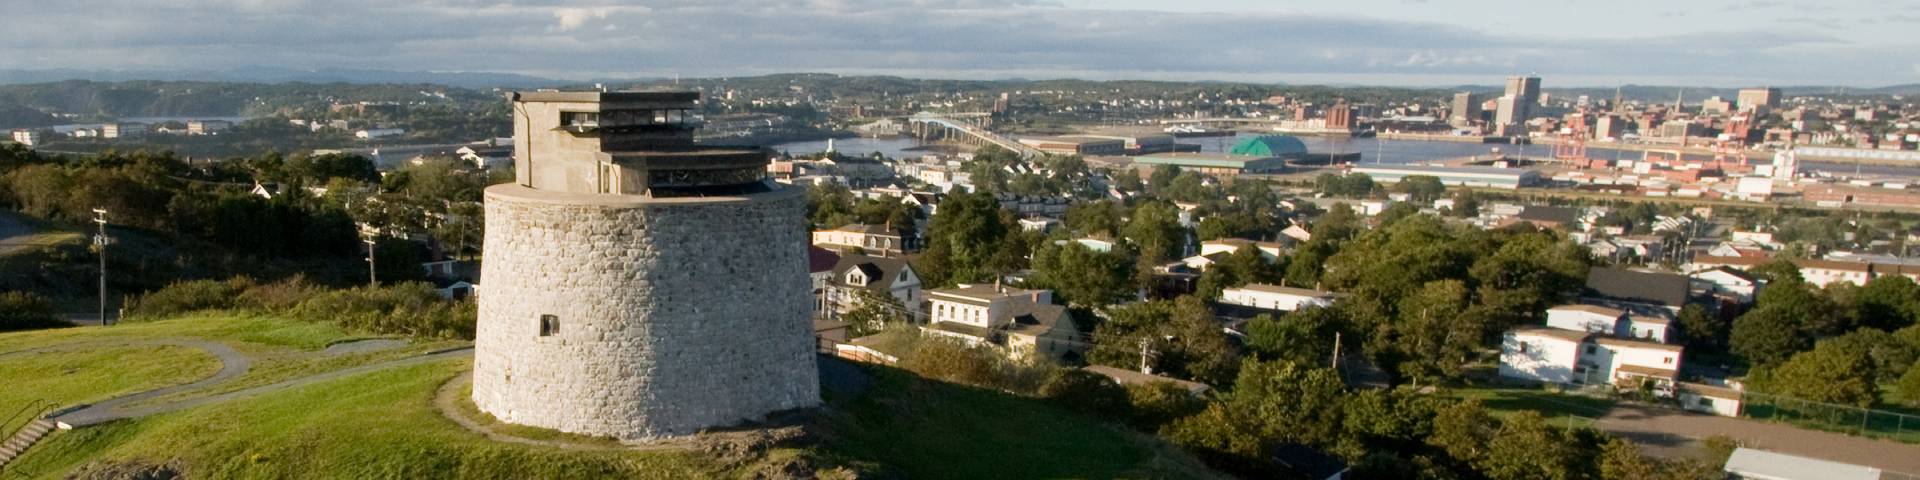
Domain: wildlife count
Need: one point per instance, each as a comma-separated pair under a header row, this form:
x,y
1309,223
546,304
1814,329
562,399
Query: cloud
x,y
931,38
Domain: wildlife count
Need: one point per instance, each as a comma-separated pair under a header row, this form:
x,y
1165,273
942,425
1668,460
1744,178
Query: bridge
x,y
1219,120
968,128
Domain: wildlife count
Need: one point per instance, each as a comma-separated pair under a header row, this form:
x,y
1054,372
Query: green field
x,y
1556,408
383,424
67,377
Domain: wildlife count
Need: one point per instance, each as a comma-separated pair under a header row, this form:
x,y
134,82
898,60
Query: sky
x,y
1724,43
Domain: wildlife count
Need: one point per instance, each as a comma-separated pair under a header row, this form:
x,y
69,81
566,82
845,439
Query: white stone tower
x,y
639,286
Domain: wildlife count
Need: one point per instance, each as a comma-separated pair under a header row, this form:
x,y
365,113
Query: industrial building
x,y
1076,145
1264,154
1494,177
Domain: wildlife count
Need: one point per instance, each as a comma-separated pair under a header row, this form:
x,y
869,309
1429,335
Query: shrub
x,y
188,296
1085,392
280,296
1157,404
411,308
24,311
952,362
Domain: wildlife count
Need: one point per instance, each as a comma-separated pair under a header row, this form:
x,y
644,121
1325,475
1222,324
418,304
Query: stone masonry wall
x,y
674,315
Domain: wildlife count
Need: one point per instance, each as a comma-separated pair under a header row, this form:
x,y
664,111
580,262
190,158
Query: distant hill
x,y
284,75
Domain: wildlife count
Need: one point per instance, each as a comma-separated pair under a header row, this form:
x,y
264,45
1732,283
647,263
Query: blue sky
x,y
1381,42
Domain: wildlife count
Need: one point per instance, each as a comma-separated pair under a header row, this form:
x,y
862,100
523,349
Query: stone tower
x,y
639,286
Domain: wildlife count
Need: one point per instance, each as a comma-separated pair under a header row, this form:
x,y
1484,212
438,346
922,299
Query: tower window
x,y
549,325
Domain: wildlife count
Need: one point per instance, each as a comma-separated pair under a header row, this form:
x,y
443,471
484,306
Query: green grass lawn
x,y
1557,408
377,425
383,424
925,429
69,377
256,329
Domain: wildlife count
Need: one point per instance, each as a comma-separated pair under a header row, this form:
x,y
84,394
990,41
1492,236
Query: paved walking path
x,y
115,409
1673,433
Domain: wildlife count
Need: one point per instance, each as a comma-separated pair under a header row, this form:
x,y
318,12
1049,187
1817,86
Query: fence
x,y
1865,422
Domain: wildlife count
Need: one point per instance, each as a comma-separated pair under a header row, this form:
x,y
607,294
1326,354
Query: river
x,y
1372,150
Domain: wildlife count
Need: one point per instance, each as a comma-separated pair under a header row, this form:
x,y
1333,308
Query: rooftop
x,y
1619,284
1270,146
1752,463
1276,289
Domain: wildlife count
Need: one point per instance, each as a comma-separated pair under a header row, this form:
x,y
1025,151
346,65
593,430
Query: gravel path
x,y
1674,433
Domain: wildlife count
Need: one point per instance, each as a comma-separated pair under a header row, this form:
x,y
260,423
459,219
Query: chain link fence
x,y
1865,422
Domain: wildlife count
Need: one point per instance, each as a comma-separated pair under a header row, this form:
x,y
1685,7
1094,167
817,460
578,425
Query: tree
x,y
1830,373
1767,336
1908,389
1273,403
1438,331
1181,336
1422,188
1525,447
1890,302
1083,277
1095,218
1703,330
1303,336
874,312
1527,274
1154,230
965,241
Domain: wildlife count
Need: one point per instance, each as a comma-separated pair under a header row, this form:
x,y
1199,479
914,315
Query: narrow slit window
x,y
549,325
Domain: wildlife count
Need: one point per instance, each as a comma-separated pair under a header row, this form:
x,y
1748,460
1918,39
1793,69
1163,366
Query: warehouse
x,y
1468,176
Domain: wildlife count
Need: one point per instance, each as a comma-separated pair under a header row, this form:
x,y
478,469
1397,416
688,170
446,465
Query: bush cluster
x,y
408,308
23,311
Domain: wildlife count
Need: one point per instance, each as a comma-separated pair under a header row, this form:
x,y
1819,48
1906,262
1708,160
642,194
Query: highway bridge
x,y
969,128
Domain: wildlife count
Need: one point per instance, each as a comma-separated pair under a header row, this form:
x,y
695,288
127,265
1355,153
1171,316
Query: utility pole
x,y
100,242
1144,353
369,236
1336,351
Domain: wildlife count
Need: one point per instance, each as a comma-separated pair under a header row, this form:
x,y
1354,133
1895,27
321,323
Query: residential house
x,y
1636,290
485,156
1275,297
1297,233
1725,283
1554,355
1724,401
1549,217
1609,321
874,239
1024,323
1820,273
854,273
1268,250
820,263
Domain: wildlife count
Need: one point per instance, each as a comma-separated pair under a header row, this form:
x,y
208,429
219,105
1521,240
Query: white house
x,y
870,238
1717,400
1023,323
373,133
1751,464
854,273
1609,321
1268,250
1275,297
1726,283
1556,355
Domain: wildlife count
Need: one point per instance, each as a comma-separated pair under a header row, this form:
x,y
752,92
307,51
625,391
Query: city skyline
x,y
1729,43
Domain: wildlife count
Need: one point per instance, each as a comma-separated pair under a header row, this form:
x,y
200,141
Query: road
x,y
1673,433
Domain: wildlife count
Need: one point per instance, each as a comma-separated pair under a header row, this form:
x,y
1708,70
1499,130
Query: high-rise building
x,y
1516,106
1715,105
1465,109
639,285
1339,116
1754,98
1000,104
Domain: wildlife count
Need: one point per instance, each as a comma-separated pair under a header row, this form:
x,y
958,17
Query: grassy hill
x,y
384,424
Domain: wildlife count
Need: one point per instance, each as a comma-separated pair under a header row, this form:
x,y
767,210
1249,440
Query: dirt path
x,y
1675,433
447,401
